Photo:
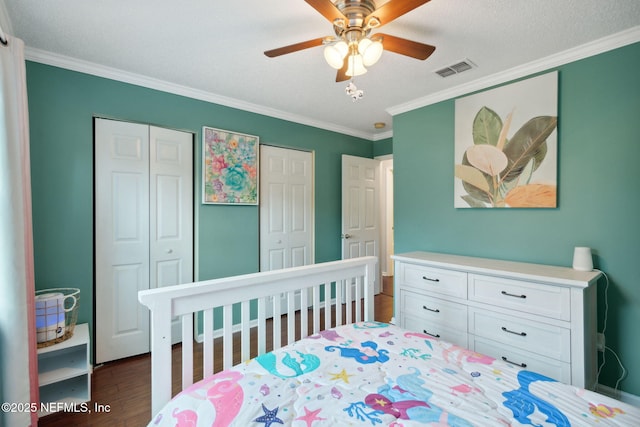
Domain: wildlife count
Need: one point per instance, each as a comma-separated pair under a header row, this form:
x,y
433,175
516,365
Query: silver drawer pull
x,y
430,279
431,309
522,334
513,295
429,333
522,365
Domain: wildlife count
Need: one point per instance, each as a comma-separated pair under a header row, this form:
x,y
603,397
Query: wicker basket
x,y
56,314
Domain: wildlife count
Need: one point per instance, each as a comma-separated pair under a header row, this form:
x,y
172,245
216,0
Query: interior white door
x,y
122,238
361,209
286,209
143,237
171,211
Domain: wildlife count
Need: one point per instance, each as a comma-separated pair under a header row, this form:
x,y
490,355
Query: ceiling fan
x,y
352,49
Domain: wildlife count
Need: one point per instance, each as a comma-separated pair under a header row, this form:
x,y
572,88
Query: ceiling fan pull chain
x,y
352,91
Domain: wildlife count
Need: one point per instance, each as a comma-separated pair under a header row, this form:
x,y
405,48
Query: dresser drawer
x,y
434,310
437,330
544,300
552,368
547,340
440,281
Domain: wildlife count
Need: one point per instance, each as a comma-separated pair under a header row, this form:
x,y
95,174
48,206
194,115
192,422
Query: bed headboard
x,y
351,280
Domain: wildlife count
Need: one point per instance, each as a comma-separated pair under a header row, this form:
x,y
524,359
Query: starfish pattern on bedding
x,y
310,416
269,416
342,375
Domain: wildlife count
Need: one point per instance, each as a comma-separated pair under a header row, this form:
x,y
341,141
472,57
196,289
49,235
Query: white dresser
x,y
539,317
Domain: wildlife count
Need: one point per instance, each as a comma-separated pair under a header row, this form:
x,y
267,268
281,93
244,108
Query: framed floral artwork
x,y
229,167
506,146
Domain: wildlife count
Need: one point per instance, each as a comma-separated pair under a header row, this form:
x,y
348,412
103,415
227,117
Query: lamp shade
x,y
356,66
334,54
582,259
370,51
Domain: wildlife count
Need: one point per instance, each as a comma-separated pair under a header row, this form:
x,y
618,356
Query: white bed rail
x,y
186,299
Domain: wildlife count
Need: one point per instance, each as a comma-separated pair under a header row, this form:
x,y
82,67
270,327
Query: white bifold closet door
x,y
286,212
286,208
143,228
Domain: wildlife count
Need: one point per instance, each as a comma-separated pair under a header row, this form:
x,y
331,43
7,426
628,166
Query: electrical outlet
x,y
600,342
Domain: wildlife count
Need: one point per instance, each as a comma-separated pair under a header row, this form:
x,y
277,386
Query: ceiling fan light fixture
x,y
373,22
371,50
334,54
356,66
352,49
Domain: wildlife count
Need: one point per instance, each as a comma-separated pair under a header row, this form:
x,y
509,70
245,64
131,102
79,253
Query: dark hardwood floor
x,y
121,390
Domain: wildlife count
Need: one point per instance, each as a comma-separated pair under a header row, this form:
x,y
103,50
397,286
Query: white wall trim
x,y
605,44
596,47
629,398
386,216
384,135
86,67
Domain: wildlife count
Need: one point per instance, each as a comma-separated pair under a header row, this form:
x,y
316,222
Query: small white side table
x,y
64,371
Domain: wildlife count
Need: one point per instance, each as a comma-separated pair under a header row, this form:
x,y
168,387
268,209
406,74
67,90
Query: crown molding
x,y
86,67
596,47
383,135
584,51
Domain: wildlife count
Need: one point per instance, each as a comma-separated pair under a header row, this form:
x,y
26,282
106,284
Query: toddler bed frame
x,y
351,281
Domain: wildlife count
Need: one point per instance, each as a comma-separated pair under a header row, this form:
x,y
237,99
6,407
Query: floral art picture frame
x,y
229,167
506,146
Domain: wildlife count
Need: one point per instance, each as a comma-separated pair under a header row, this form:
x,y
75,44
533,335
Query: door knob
x,y
169,251
346,236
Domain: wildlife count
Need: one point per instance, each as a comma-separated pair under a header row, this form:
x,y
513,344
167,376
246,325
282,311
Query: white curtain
x,y
18,355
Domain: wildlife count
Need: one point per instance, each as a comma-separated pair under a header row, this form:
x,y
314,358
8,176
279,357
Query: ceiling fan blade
x,y
406,47
394,9
294,47
327,9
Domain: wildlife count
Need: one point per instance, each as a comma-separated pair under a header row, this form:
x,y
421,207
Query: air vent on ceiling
x,y
456,68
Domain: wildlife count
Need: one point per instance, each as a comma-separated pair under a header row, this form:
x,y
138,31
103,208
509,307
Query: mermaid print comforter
x,y
375,374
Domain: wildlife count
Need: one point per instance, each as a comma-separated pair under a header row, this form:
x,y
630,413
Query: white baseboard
x,y
629,398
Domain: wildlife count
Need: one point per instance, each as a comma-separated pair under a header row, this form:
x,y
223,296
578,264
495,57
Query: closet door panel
x,y
171,203
122,238
144,228
286,211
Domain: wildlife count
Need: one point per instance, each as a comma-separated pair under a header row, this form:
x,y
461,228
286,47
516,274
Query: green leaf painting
x,y
508,159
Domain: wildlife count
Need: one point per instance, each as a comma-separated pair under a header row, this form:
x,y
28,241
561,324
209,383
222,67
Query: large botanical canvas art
x,y
229,167
506,146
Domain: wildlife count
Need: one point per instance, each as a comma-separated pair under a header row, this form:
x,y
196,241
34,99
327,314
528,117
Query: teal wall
x,y
383,147
598,198
62,105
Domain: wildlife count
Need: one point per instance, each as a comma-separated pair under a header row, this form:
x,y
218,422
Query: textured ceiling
x,y
215,49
